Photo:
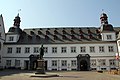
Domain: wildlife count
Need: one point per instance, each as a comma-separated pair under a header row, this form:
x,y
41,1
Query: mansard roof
x,y
61,35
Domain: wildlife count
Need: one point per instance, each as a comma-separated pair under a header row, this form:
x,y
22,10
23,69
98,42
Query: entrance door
x,y
26,64
83,65
45,65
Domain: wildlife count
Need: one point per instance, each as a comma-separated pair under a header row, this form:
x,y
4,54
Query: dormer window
x,y
11,38
81,36
64,37
47,32
90,36
39,32
72,32
37,37
55,32
64,32
109,37
89,31
80,31
46,37
55,37
31,32
72,37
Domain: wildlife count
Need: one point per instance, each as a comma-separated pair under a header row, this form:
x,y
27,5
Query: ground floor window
x,y
93,62
8,63
73,63
54,63
112,62
64,63
17,63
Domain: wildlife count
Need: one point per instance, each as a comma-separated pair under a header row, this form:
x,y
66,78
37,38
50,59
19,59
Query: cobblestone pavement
x,y
64,75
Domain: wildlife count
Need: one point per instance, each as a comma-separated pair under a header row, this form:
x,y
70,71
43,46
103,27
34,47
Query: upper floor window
x,y
9,50
92,49
11,38
18,50
46,49
109,37
110,49
73,49
54,49
73,63
54,63
27,49
82,49
101,49
63,49
36,49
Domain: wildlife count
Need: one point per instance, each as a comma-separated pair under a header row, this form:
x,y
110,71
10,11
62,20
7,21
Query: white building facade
x,y
74,48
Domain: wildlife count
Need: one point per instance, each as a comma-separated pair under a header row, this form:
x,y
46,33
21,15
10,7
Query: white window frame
x,y
11,38
111,48
82,49
73,49
45,49
73,63
9,50
92,49
8,63
54,49
109,37
101,49
93,62
27,49
63,49
18,49
17,63
36,50
64,63
54,63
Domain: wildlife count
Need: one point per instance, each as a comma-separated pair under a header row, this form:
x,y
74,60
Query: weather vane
x,y
102,10
19,10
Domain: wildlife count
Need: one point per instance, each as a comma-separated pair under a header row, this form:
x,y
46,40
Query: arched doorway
x,y
83,65
83,62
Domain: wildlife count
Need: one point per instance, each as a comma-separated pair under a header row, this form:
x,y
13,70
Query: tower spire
x,y
17,21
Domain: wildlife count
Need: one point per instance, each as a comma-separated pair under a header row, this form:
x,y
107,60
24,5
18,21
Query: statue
x,y
41,52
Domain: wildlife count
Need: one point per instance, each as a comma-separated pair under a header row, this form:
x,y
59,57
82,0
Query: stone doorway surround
x,y
83,62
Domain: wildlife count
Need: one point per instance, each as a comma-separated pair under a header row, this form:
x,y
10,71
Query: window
x,y
73,63
93,62
54,63
0,45
9,50
8,63
0,34
54,49
112,62
0,58
103,62
17,63
11,38
46,49
36,49
64,63
92,49
109,37
73,49
18,50
27,49
82,49
101,49
110,49
63,49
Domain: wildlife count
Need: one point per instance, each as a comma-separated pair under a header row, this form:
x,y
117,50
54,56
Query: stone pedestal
x,y
40,67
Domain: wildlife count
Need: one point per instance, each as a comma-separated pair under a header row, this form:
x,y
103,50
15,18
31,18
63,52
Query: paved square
x,y
64,75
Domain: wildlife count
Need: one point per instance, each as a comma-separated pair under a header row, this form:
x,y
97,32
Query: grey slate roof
x,y
59,35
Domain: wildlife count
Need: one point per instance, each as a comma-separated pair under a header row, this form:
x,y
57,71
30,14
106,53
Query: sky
x,y
59,13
